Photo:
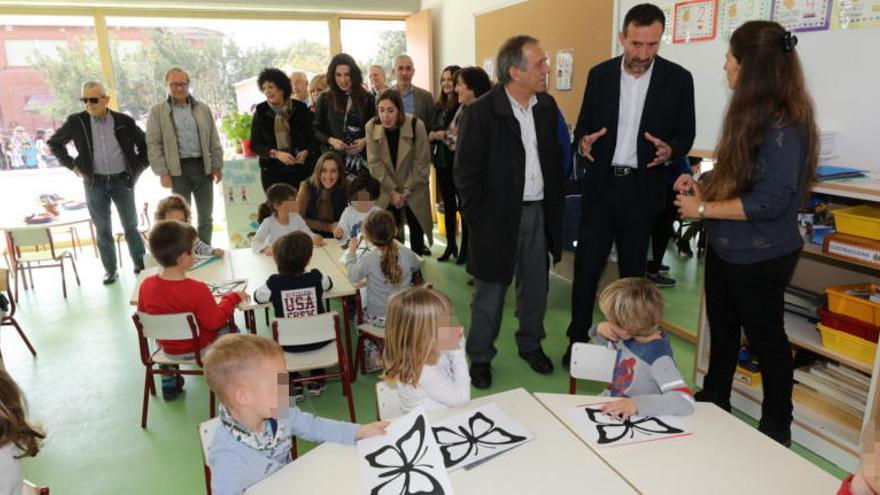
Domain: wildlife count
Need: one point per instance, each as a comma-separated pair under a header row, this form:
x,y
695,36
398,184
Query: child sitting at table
x,y
248,374
865,481
362,192
18,437
170,291
295,293
278,216
174,207
424,351
645,374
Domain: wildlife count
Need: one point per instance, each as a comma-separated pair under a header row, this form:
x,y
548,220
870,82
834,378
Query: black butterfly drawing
x,y
405,474
481,432
613,432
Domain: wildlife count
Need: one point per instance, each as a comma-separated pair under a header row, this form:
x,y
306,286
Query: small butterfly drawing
x,y
613,432
457,446
405,475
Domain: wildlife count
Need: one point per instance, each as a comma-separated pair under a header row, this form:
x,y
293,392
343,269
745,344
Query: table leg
x,y
347,316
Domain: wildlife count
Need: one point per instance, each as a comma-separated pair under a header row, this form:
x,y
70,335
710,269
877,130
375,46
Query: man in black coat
x,y
111,154
637,115
509,176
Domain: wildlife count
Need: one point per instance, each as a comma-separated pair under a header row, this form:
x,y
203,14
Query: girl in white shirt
x,y
424,352
278,216
18,437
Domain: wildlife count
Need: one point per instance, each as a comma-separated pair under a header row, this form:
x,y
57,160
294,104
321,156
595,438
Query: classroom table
x,y
65,218
723,456
555,461
215,270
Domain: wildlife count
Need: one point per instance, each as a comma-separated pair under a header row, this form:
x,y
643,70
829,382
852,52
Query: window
x,y
23,53
373,42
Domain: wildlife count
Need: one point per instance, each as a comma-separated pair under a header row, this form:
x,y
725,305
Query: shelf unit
x,y
835,438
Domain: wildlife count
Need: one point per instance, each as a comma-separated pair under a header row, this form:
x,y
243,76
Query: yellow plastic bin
x,y
855,307
861,221
849,345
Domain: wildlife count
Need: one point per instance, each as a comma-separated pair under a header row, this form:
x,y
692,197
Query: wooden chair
x,y
311,330
29,488
181,326
22,262
387,401
8,318
143,228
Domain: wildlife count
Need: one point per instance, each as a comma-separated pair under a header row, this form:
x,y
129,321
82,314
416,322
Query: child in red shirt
x,y
171,245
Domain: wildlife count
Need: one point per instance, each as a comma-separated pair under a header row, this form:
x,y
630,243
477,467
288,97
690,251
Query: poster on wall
x,y
242,195
489,67
695,20
669,14
564,67
802,15
734,13
858,14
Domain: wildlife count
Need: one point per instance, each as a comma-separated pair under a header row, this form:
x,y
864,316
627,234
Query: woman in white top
x,y
423,351
18,437
278,216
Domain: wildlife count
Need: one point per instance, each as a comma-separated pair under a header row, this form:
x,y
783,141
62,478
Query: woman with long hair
x,y
342,113
443,156
766,164
323,197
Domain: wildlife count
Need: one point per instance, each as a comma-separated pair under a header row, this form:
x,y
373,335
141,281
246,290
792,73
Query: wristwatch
x,y
701,210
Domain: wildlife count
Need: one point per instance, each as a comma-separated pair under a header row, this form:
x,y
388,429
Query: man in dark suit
x,y
637,114
509,176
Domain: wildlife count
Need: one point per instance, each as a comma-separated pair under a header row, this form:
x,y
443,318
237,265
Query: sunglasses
x,y
93,101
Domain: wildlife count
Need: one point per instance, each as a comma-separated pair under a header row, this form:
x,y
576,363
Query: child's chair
x,y
366,331
387,401
8,317
36,238
578,367
311,330
181,326
29,488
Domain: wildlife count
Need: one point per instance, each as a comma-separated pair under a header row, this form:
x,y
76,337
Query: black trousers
x,y
450,202
749,297
661,233
621,220
416,235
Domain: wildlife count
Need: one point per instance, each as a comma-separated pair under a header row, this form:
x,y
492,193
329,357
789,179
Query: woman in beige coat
x,y
398,156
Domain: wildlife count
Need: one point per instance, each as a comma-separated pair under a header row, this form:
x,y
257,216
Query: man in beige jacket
x,y
184,148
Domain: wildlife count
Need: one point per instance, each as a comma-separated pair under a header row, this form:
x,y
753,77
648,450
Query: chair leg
x,y
293,452
75,273
359,355
213,411
346,388
152,383
23,336
30,271
147,386
63,277
572,385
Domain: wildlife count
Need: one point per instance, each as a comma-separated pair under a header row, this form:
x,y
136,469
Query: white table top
x,y
723,456
64,219
555,461
219,270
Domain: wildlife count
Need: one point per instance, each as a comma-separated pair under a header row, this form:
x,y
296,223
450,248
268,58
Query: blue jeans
x,y
103,190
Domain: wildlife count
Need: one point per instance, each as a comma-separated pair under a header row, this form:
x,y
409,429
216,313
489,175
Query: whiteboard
x,y
843,76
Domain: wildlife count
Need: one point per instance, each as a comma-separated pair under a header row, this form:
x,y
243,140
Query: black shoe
x,y
451,250
538,361
138,269
471,282
109,278
481,375
461,258
425,251
684,248
661,281
663,268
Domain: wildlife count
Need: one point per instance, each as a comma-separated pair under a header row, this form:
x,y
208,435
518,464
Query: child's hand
x,y
371,430
611,331
337,232
267,250
353,244
318,240
245,297
621,409
218,253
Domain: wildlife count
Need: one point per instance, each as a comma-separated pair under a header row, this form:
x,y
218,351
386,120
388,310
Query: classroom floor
x,y
86,384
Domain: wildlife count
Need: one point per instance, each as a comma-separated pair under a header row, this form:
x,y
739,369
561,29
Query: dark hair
x,y
315,178
277,193
276,77
770,91
169,239
338,96
364,183
173,202
292,253
14,426
644,14
511,55
476,80
448,101
380,229
393,96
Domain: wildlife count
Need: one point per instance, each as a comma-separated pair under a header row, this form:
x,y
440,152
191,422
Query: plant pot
x,y
246,148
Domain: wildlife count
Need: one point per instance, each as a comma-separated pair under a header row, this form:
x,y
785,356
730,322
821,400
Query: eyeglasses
x,y
93,101
178,84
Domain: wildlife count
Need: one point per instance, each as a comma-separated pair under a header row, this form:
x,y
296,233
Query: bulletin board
x,y
582,27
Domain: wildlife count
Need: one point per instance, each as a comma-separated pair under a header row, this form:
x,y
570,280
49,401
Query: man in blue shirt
x,y
416,101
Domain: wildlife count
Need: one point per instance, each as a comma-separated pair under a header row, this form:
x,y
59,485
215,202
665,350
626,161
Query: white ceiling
x,y
387,7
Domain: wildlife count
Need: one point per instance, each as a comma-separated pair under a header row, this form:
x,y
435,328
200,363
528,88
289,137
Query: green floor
x,y
86,384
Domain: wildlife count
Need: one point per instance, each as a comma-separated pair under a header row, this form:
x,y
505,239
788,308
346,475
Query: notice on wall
x,y
802,15
564,67
695,20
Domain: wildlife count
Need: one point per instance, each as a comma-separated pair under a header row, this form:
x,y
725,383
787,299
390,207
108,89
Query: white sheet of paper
x,y
604,431
404,460
593,362
472,437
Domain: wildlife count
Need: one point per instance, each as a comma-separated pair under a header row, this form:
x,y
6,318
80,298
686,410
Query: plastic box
x,y
852,326
861,221
855,307
844,343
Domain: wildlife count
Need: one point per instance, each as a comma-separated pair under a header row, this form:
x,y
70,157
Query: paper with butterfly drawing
x,y
472,437
605,431
404,461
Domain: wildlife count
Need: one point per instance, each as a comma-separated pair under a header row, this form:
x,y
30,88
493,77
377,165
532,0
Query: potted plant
x,y
237,127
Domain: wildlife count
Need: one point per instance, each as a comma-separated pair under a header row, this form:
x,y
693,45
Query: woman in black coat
x,y
281,133
443,156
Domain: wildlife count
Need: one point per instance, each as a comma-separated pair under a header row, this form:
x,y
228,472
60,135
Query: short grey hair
x,y
377,66
177,70
511,55
299,73
402,55
94,84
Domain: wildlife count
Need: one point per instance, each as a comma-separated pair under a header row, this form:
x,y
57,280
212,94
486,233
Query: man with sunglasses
x,y
184,148
111,154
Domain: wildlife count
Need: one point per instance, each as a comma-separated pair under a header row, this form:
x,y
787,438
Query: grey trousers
x,y
193,182
532,264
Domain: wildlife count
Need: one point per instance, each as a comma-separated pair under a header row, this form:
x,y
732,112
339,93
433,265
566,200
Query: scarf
x,y
282,125
273,434
452,131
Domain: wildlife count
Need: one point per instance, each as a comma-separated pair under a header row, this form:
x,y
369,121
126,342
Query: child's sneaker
x,y
172,385
314,389
297,392
372,357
